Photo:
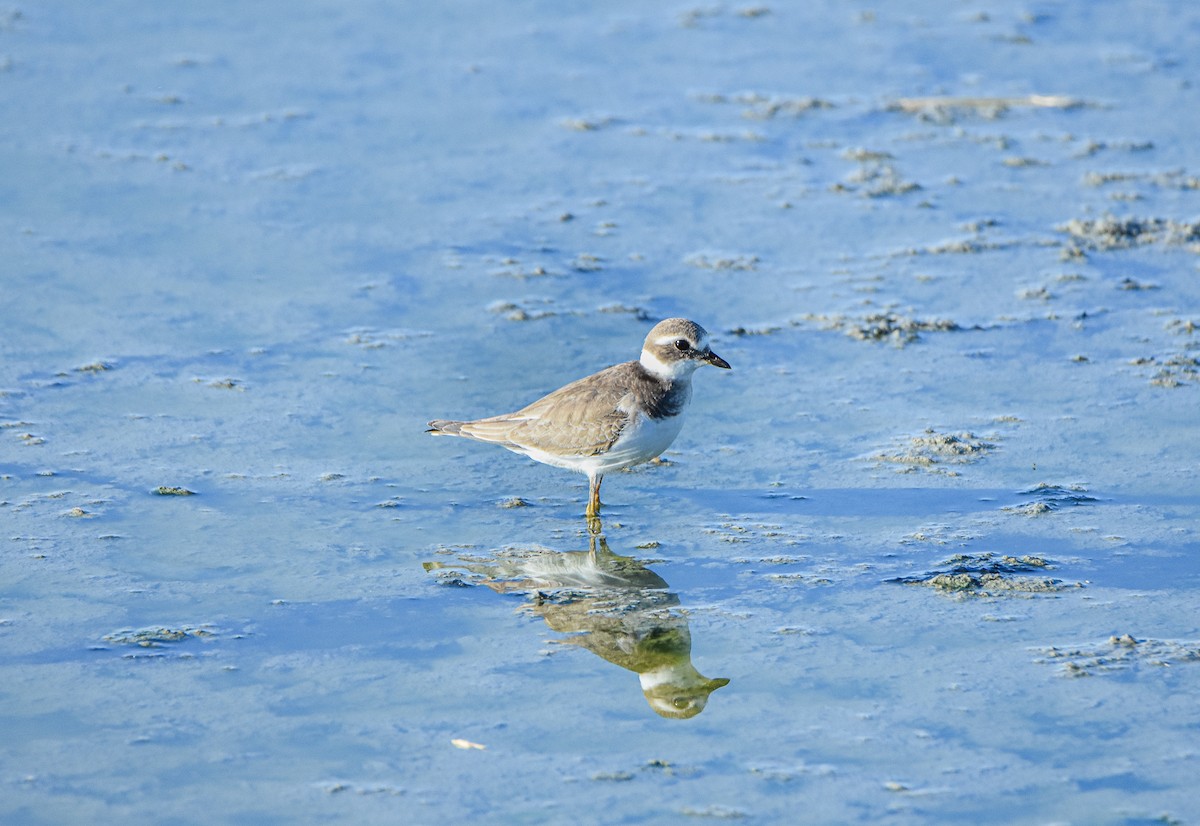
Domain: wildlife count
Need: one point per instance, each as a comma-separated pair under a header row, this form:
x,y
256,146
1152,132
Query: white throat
x,y
677,370
677,674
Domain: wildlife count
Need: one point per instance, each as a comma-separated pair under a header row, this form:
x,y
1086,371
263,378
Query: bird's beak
x,y
716,361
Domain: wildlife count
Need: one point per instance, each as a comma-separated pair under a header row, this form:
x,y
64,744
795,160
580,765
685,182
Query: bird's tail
x,y
445,427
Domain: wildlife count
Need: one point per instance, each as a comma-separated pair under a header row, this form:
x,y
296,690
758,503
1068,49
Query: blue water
x,y
251,249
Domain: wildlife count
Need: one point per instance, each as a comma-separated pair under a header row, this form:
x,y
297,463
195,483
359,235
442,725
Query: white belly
x,y
641,441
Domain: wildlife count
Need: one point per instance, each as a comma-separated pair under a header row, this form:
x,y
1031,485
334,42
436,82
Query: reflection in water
x,y
613,605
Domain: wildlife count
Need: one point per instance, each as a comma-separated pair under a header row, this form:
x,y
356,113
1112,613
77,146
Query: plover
x,y
622,416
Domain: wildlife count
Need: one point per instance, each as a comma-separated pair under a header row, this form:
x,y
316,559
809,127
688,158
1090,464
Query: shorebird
x,y
620,417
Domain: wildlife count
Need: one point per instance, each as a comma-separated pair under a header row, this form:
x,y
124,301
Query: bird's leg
x,y
593,505
598,551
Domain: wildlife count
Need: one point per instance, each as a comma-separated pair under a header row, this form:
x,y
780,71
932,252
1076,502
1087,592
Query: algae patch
x,y
159,636
737,530
722,261
987,575
1047,498
876,176
947,109
714,811
1119,653
1171,370
887,326
1111,233
764,106
172,490
931,449
94,367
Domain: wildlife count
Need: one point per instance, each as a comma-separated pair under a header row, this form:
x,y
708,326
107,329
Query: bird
x,y
622,416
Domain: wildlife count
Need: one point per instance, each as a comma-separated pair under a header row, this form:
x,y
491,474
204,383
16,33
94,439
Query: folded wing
x,y
581,419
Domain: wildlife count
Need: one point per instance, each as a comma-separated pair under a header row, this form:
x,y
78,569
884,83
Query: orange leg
x,y
593,506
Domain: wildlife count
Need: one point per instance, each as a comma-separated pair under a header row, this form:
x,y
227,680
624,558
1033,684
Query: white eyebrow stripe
x,y
661,340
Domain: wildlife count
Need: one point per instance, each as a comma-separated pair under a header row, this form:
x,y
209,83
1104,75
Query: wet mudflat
x,y
927,554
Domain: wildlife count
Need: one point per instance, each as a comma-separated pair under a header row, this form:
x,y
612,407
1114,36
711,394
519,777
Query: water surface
x,y
937,528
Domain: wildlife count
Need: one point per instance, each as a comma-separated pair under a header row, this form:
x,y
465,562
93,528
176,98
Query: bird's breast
x,y
643,438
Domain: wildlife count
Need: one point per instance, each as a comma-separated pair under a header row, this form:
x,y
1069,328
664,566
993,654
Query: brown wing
x,y
582,418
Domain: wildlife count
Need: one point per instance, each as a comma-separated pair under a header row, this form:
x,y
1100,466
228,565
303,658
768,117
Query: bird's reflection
x,y
612,605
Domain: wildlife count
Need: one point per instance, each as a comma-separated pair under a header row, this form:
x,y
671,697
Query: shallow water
x,y
937,528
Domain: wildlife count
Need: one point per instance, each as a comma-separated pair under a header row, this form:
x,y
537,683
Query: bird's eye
x,y
682,344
